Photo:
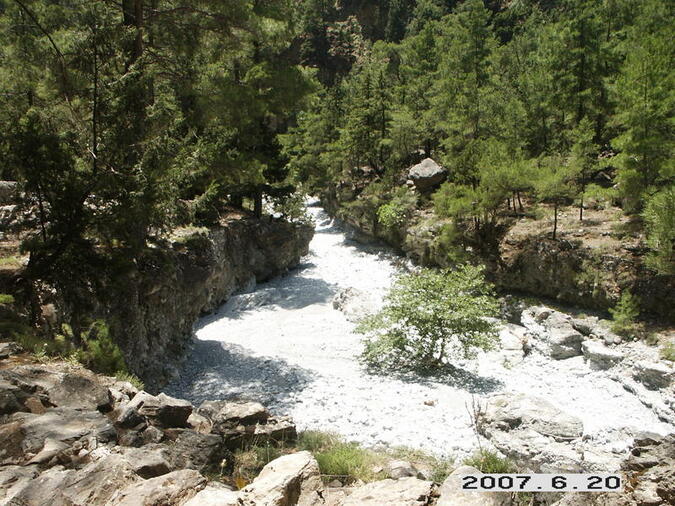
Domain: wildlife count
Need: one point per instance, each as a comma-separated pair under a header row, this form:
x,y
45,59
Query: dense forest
x,y
124,119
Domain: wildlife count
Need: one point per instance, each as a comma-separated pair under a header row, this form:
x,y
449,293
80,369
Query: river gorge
x,y
285,344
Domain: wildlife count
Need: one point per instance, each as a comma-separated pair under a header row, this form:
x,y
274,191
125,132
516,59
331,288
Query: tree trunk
x,y
555,219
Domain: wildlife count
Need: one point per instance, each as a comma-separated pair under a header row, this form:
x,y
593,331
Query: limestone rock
x,y
277,430
403,492
600,356
12,398
201,452
452,494
397,469
66,425
288,480
426,175
532,432
654,375
60,389
226,415
564,340
214,496
162,410
149,461
170,489
13,479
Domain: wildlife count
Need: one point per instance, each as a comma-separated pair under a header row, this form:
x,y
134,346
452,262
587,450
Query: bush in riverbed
x,y
429,317
625,313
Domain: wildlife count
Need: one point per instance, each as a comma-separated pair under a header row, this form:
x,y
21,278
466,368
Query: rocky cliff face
x,y
153,315
151,305
576,269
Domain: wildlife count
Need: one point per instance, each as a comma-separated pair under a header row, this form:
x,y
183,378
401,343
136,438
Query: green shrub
x,y
315,440
625,313
668,351
101,353
396,212
337,459
131,378
348,462
429,317
6,298
489,462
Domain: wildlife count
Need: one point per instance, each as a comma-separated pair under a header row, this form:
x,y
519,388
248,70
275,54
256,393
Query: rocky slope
x,y
150,307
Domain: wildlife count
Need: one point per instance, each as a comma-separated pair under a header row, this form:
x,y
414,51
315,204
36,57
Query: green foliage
x,y
625,313
6,298
489,462
347,462
659,216
429,317
645,97
668,351
130,378
100,352
396,212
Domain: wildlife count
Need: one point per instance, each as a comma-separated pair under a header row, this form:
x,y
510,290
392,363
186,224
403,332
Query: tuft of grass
x,y
249,461
131,378
6,299
347,462
489,462
440,467
668,351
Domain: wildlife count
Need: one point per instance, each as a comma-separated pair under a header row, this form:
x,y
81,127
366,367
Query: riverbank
x,y
589,265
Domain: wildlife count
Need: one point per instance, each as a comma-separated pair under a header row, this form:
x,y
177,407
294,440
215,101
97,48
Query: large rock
x,y
9,349
214,496
564,340
600,356
170,489
403,492
519,411
202,452
426,175
288,480
451,492
226,415
397,469
161,410
72,390
553,332
653,375
532,432
65,425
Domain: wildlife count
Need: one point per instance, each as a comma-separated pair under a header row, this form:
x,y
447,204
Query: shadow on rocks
x,y
222,371
448,375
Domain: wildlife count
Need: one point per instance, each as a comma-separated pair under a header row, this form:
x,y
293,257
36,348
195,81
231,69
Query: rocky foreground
x,y
70,437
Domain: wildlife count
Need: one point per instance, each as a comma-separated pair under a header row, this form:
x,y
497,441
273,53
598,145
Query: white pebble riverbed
x,y
285,346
